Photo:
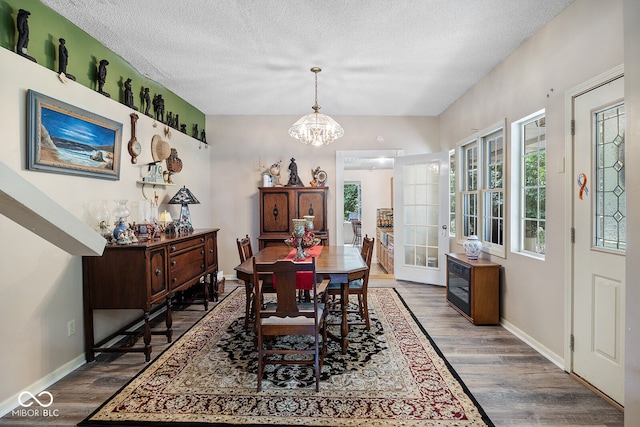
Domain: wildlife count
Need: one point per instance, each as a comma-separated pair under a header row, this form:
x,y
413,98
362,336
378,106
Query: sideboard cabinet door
x,y
157,274
280,205
313,203
274,210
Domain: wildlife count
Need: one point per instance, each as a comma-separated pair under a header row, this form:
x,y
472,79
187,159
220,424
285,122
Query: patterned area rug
x,y
392,375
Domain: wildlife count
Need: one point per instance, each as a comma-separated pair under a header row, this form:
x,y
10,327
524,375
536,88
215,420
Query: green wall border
x,y
46,27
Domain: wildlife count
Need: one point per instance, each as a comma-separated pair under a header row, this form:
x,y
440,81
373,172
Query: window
x,y
529,184
482,188
493,202
352,201
469,189
452,192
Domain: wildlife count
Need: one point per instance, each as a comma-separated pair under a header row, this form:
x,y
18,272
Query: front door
x,y
599,220
421,217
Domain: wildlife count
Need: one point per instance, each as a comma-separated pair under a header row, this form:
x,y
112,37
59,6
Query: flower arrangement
x,y
308,240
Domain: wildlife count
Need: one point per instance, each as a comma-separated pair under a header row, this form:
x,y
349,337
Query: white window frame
x,y
517,217
452,193
481,193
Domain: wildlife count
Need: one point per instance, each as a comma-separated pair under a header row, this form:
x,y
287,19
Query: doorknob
x,y
444,227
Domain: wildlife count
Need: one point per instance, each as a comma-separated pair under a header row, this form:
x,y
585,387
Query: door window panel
x,y
611,204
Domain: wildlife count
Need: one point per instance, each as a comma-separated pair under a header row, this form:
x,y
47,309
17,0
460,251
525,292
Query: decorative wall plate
x,y
160,149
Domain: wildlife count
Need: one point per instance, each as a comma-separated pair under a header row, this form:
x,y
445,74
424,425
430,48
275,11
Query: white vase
x,y
472,247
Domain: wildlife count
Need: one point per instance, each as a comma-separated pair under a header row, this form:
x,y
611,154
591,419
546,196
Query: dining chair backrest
x,y
284,273
244,248
288,318
367,250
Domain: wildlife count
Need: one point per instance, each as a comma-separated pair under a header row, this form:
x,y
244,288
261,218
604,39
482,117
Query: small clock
x,y
135,148
321,177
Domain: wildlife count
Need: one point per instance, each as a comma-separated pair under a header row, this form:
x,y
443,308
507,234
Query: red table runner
x,y
313,251
304,279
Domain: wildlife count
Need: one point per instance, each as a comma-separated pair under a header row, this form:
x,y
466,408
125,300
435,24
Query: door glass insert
x,y
421,201
610,198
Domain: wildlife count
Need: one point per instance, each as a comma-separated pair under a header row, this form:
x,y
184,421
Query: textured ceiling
x,y
378,57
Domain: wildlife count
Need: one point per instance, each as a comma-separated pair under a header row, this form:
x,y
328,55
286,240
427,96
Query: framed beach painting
x,y
65,139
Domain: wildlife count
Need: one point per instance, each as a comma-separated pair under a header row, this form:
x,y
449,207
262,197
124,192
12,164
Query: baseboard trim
x,y
41,385
554,358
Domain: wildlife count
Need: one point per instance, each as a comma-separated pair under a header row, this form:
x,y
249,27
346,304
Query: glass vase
x,y
120,213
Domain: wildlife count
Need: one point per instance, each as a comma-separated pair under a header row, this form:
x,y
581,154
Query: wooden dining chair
x,y
356,226
287,316
359,286
245,252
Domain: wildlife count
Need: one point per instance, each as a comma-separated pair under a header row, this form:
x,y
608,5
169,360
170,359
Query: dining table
x,y
340,264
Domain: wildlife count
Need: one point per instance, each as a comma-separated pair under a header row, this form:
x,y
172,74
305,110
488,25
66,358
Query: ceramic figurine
x,y
22,22
294,179
128,95
63,59
102,77
146,100
158,108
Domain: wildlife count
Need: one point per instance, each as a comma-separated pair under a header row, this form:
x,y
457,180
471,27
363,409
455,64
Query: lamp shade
x,y
184,197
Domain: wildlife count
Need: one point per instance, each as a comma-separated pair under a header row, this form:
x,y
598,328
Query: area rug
x,y
391,375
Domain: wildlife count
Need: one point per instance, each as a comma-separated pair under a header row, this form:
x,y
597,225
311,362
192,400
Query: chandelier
x,y
316,128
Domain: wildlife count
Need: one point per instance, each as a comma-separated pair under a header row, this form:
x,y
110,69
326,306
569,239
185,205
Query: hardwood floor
x,y
514,384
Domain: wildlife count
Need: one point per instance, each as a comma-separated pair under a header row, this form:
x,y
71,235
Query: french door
x,y
421,217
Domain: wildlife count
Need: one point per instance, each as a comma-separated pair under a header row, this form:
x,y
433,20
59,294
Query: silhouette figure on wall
x,y
22,22
63,59
102,77
294,179
128,95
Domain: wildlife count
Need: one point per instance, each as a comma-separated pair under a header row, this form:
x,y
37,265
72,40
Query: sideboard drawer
x,y
185,244
186,266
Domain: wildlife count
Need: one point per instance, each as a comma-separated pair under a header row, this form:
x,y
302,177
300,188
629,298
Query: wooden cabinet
x,y
385,248
280,205
143,275
473,288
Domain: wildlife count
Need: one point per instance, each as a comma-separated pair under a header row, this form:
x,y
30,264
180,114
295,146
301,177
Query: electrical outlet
x,y
71,327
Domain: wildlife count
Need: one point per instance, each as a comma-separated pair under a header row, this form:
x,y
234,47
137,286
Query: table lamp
x,y
185,198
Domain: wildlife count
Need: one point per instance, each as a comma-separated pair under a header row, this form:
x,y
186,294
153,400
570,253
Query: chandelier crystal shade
x,y
316,128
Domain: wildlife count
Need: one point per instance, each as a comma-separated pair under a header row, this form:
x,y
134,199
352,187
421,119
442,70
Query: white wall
x,y
559,57
241,143
40,285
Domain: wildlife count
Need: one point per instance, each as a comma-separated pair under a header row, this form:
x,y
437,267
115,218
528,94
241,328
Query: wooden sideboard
x,y
280,205
143,275
473,288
